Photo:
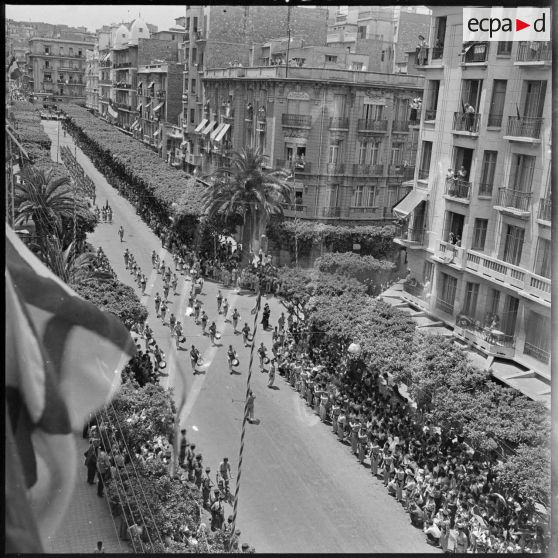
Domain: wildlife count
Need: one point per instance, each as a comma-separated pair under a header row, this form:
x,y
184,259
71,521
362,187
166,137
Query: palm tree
x,y
45,199
248,190
68,266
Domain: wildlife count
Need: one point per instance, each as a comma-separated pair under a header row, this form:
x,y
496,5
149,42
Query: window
x,y
453,226
330,58
296,106
427,272
497,103
511,306
543,258
471,92
533,98
338,105
192,116
504,48
487,176
172,36
432,92
373,154
79,52
400,110
362,146
330,199
47,64
493,302
396,154
513,244
446,293
361,32
521,172
47,50
333,154
193,86
537,336
425,160
463,157
440,32
471,297
358,198
372,112
383,55
479,234
370,196
48,77
357,66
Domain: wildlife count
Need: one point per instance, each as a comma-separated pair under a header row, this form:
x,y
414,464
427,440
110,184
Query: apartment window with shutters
x,y
504,48
446,293
471,298
537,337
543,258
425,159
479,234
496,113
513,244
521,172
432,92
488,170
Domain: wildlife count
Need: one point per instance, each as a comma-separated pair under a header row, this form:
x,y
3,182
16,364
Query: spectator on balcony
x,y
462,173
422,51
470,117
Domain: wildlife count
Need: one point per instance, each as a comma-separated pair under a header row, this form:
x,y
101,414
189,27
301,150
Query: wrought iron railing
x,y
457,188
367,169
296,120
535,51
372,125
514,198
524,126
339,123
466,122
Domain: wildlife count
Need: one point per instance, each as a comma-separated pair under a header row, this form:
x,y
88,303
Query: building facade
x,y
345,137
92,79
56,68
478,219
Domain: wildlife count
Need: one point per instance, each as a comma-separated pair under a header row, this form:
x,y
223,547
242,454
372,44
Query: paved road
x,y
302,490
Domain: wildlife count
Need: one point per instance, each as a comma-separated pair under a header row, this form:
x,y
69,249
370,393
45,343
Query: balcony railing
x,y
430,114
436,53
294,208
490,341
331,212
296,165
401,125
536,51
496,269
457,188
416,289
335,168
445,305
412,235
495,120
536,352
423,174
365,125
545,209
161,94
451,253
476,54
366,170
399,170
123,65
296,120
338,123
514,198
524,126
465,122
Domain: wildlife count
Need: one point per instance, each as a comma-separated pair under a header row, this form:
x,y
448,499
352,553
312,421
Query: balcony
x,y
296,120
122,65
162,94
407,173
496,269
536,53
430,114
488,341
122,85
335,168
414,288
377,126
476,54
432,57
451,254
368,170
524,128
514,202
411,237
401,125
436,53
545,209
296,165
200,36
294,210
338,123
458,189
331,212
540,354
445,305
464,122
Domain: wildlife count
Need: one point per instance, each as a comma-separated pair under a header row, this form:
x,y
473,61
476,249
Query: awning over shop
x,y
222,132
208,128
216,131
112,112
409,203
201,125
156,133
158,106
138,107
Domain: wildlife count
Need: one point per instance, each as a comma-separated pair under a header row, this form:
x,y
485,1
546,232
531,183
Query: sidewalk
x,y
87,519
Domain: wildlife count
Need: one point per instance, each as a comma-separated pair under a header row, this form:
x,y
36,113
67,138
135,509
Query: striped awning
x,y
201,125
216,131
222,132
208,128
158,106
409,203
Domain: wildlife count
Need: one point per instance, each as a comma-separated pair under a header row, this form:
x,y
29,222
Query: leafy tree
x,y
368,270
295,286
248,190
113,296
527,472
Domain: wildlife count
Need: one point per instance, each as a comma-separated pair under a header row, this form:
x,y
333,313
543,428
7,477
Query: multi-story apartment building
x,y
478,218
57,68
128,49
92,79
346,136
218,36
159,97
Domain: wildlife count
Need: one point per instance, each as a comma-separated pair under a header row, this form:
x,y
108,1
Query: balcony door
x,y
471,90
440,31
471,298
453,225
331,195
513,244
463,157
521,172
400,110
338,106
509,318
298,106
533,93
372,112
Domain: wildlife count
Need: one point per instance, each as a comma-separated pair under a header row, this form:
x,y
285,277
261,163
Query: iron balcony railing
x,y
401,125
545,209
466,122
445,306
535,51
524,126
416,290
514,199
536,352
430,114
331,212
335,168
296,165
296,120
372,125
366,170
457,188
339,123
477,53
411,234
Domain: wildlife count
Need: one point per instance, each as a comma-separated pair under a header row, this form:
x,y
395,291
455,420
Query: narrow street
x,y
302,490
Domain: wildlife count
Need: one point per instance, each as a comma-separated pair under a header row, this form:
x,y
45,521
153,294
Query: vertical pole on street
x,y
245,418
58,141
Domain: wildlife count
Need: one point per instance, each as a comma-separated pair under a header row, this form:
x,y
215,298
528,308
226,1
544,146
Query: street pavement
x,y
301,489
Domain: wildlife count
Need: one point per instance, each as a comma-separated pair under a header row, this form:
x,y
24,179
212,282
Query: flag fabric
x,y
63,361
